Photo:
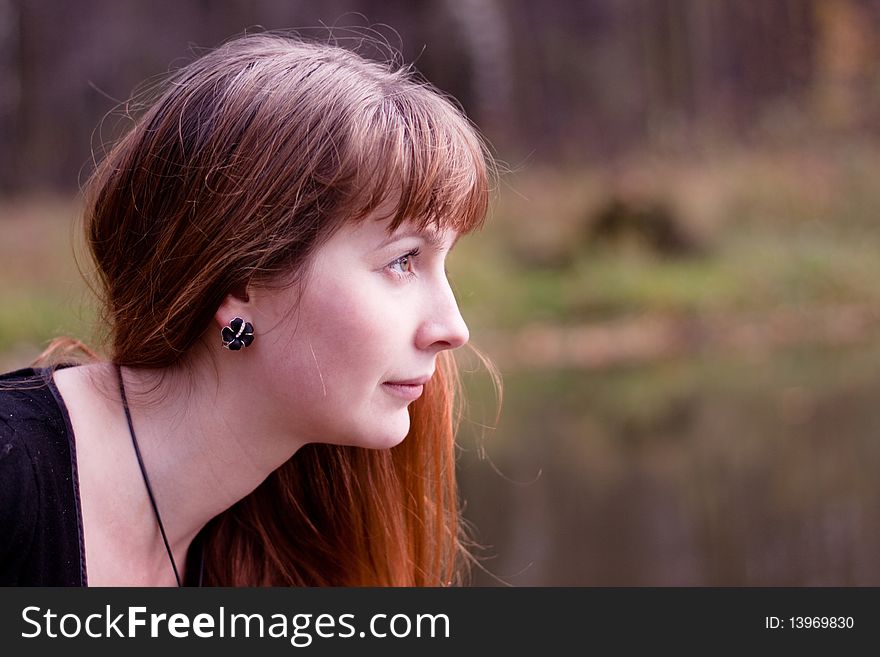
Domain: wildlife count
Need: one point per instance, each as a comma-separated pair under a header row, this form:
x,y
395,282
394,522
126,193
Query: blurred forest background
x,y
678,281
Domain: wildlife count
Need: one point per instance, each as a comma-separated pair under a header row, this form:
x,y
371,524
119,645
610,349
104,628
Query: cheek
x,y
327,360
348,331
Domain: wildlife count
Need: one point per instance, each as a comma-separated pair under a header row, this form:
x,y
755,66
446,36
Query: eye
x,y
403,266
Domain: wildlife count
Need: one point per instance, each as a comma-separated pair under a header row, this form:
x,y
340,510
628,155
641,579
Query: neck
x,y
204,447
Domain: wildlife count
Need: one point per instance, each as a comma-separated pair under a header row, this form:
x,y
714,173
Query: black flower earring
x,y
238,334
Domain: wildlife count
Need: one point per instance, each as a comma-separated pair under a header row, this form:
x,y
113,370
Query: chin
x,y
388,436
384,436
388,441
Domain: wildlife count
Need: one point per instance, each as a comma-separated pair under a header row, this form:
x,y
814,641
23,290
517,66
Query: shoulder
x,y
24,406
26,397
17,477
26,402
40,520
33,428
33,446
19,498
30,404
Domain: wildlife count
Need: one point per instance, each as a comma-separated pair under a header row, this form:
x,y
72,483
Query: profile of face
x,y
375,311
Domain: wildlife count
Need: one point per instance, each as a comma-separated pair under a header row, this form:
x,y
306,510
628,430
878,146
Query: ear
x,y
237,303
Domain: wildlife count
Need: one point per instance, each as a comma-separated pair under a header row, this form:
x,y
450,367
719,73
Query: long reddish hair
x,y
247,161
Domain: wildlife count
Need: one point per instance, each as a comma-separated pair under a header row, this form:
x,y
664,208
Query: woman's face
x,y
375,311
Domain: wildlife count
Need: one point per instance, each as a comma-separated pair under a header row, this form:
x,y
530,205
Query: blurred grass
x,y
776,230
42,294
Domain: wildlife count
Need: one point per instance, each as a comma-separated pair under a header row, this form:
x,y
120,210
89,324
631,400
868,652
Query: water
x,y
722,471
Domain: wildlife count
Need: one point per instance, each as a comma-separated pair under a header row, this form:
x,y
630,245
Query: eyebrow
x,y
431,238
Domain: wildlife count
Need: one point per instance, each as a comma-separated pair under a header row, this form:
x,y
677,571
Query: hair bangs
x,y
426,165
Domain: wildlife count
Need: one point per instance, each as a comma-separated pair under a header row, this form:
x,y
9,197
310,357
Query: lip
x,y
418,381
406,391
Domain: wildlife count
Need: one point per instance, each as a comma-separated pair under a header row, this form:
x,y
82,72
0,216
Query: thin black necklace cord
x,y
137,451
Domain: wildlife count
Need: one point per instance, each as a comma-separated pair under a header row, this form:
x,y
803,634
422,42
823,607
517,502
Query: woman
x,y
269,240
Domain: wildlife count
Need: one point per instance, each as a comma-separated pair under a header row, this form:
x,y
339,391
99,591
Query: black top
x,y
41,539
41,528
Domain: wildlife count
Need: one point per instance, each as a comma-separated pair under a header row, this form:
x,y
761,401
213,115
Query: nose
x,y
443,326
